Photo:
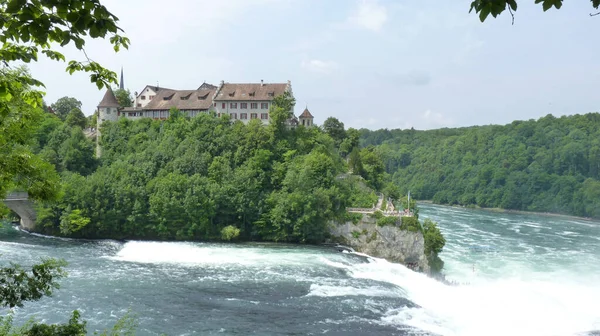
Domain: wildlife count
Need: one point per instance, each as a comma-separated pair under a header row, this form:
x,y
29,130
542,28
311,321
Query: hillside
x,y
546,165
201,178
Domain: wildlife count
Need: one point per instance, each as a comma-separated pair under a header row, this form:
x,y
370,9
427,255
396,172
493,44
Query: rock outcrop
x,y
387,242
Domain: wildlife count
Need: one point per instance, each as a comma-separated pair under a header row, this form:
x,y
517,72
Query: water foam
x,y
492,307
208,254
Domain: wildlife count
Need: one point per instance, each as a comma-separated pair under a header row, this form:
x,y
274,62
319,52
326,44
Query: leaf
x,y
15,5
547,4
483,14
512,4
557,4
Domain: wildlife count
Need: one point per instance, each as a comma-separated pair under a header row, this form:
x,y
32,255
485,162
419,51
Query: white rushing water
x,y
521,275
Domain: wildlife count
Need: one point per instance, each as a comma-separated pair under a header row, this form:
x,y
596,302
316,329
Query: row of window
x,y
165,114
244,116
149,97
243,106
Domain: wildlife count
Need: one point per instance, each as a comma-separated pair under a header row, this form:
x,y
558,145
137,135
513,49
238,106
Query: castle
x,y
242,102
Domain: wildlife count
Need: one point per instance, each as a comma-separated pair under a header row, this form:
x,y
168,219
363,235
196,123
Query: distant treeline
x,y
548,165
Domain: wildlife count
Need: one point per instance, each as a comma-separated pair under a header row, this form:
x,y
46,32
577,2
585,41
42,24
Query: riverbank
x,y
523,212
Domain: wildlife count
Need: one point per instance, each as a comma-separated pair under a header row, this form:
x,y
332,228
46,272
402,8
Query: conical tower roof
x,y
306,114
109,100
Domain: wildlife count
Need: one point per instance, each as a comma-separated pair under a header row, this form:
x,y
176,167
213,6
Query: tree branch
x,y
594,14
512,15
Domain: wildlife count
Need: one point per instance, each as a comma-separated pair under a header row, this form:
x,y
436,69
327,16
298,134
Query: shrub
x,y
230,233
356,234
434,241
391,220
410,224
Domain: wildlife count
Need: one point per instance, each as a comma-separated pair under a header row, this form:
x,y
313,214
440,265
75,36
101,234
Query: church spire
x,y
121,83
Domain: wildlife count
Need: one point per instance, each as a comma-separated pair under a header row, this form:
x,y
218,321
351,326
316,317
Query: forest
x,y
545,165
202,178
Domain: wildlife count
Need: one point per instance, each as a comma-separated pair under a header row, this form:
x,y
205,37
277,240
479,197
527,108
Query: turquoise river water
x,y
521,274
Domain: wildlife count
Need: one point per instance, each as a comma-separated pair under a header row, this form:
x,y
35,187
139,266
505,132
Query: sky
x,y
370,63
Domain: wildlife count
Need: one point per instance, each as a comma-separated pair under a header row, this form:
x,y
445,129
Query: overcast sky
x,y
370,63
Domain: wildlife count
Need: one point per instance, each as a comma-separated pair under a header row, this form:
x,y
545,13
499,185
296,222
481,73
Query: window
x,y
108,111
264,106
233,115
244,116
253,115
254,106
264,116
224,105
139,105
215,104
143,97
156,114
243,105
218,115
271,94
233,105
150,97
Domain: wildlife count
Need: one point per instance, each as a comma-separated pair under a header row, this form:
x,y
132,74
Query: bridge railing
x,y
19,195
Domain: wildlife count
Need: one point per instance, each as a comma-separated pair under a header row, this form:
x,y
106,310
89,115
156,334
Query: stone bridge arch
x,y
19,203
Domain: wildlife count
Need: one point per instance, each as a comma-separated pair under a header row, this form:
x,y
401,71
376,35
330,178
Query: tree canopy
x,y
548,165
63,106
124,97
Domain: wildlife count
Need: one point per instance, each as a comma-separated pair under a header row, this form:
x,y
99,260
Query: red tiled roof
x,y
250,91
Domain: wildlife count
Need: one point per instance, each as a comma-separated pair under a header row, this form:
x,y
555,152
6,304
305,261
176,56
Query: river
x,y
522,274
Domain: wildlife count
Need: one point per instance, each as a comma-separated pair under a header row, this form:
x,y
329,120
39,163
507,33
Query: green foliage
x,y
64,106
76,118
58,24
229,233
335,129
188,178
75,327
434,241
410,224
387,220
125,326
356,234
20,112
19,285
72,221
124,97
495,7
548,165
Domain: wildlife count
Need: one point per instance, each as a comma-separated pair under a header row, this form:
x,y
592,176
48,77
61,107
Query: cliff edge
x,y
388,242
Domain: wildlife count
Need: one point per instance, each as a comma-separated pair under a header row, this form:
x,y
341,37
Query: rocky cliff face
x,y
387,242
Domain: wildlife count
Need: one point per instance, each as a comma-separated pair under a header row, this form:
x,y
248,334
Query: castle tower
x,y
306,119
108,110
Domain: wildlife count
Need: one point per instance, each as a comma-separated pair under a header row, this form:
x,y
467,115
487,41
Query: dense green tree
x,y
63,106
29,29
75,118
529,165
335,129
124,97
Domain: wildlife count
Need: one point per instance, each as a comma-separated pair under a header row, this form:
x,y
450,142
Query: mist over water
x,y
521,275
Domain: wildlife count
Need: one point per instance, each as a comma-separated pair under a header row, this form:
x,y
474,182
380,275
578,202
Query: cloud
x,y
319,66
369,15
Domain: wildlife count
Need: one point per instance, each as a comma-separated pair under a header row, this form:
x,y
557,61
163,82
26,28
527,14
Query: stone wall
x,y
387,242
